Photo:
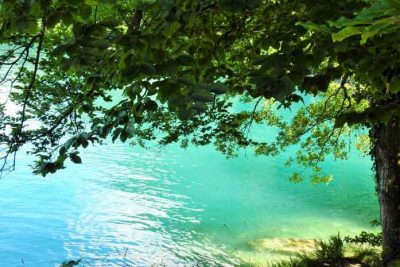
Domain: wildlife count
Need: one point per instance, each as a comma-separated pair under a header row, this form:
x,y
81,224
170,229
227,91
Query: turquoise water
x,y
127,206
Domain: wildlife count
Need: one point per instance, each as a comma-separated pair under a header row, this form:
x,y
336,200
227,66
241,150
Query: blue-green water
x,y
127,206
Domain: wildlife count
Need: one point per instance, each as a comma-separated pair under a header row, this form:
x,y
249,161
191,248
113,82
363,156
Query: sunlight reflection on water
x,y
129,206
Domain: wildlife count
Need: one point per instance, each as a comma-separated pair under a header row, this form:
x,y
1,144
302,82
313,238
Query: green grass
x,y
334,253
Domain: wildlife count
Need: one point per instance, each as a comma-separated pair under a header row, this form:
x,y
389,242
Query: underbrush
x,y
362,251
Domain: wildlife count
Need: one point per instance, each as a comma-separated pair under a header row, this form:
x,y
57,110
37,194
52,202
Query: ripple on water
x,y
126,206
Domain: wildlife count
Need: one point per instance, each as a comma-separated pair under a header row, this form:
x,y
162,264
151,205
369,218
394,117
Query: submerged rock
x,y
286,246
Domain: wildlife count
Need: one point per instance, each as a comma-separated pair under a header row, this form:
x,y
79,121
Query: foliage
x,y
331,250
331,253
156,72
381,18
300,261
371,239
70,263
166,71
178,65
369,256
375,28
311,130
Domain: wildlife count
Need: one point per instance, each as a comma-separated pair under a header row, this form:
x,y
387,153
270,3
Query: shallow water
x,y
127,206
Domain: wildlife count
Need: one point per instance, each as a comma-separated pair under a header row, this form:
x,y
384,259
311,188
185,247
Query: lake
x,y
127,206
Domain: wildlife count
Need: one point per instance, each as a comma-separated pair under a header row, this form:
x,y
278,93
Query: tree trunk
x,y
386,152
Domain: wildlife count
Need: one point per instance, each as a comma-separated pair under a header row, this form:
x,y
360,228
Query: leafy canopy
x,y
166,71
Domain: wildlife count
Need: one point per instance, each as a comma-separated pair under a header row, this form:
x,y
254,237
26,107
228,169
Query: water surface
x,y
127,206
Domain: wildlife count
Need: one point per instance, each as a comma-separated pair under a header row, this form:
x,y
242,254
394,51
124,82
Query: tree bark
x,y
386,152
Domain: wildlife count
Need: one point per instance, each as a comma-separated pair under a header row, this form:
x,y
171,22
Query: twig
x,y
248,125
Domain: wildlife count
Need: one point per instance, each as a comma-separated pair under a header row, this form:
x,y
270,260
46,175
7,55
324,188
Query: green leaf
x,y
85,11
53,19
60,50
378,27
346,33
317,83
202,95
60,160
32,27
130,72
148,69
116,133
124,136
85,143
36,9
176,102
91,2
314,27
217,88
185,60
63,150
200,106
151,105
75,158
394,85
67,18
75,2
187,79
260,60
171,29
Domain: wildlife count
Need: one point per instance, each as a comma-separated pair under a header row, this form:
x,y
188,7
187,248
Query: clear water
x,y
127,206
